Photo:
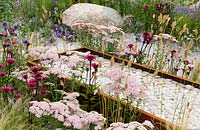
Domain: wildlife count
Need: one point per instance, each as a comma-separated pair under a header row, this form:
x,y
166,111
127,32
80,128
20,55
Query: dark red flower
x,y
90,57
1,65
146,8
10,60
38,76
176,68
187,62
95,65
2,74
130,45
25,76
43,91
135,55
6,89
17,95
173,51
190,67
36,68
3,34
32,83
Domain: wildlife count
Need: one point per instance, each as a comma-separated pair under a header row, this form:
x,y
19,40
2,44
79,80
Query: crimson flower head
x,y
6,89
43,91
90,57
95,65
25,76
146,8
1,65
173,51
130,45
187,62
3,34
135,55
190,67
36,68
176,68
32,83
10,60
38,76
2,74
17,95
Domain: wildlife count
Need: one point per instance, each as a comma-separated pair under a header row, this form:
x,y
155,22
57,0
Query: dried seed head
x,y
129,65
120,47
112,61
135,48
161,29
103,48
190,45
122,65
173,25
160,18
100,63
195,32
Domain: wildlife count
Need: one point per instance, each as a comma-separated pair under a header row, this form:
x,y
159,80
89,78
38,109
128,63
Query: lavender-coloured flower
x,y
55,8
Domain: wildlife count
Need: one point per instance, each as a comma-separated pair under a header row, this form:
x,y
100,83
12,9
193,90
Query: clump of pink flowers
x,y
131,126
123,84
68,112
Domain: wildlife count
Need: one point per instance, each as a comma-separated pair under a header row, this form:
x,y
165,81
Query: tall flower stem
x,y
90,72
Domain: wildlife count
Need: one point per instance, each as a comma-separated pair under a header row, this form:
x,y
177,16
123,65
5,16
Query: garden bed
x,y
159,123
142,67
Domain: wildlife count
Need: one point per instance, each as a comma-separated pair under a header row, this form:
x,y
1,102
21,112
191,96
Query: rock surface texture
x,y
91,13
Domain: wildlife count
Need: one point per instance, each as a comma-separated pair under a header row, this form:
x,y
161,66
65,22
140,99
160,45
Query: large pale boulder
x,y
91,13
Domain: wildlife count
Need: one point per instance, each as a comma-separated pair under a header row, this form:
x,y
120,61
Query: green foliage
x,y
14,116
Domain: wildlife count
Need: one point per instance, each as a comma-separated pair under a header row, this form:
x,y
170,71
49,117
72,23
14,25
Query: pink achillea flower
x,y
115,73
6,89
10,60
90,57
130,126
32,83
68,112
2,74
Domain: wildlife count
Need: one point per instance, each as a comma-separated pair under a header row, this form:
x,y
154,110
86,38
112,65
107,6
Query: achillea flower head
x,y
90,57
2,74
10,60
32,83
7,89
